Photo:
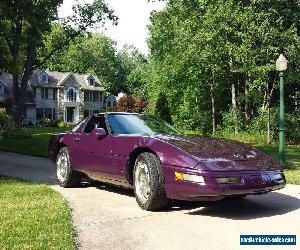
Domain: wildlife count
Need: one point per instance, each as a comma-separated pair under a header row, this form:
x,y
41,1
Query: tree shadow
x,y
253,207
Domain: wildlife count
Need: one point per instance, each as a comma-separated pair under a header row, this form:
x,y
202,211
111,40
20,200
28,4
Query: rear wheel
x,y
65,175
148,182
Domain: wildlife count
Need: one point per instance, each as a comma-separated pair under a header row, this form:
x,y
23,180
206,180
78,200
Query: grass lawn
x,y
292,156
33,216
36,146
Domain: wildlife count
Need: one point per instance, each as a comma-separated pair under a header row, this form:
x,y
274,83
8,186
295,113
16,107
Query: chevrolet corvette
x,y
144,153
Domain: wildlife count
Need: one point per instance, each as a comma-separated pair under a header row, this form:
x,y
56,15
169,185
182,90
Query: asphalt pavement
x,y
107,217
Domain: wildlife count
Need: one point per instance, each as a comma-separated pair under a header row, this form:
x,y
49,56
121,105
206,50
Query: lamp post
x,y
281,66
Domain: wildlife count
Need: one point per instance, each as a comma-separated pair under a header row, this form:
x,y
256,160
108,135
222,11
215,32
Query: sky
x,y
133,20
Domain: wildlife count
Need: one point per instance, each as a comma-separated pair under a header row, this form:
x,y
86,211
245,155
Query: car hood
x,y
218,154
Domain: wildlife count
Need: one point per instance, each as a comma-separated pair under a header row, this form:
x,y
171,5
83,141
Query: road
x,y
108,217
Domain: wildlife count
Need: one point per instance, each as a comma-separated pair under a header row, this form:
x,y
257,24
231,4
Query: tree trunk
x,y
213,108
269,128
247,106
234,107
233,93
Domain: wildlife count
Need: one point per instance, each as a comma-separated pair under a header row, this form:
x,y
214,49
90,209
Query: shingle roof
x,y
55,77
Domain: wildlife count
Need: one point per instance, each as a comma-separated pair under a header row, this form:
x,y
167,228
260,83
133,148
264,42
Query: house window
x,y
48,113
50,94
39,113
96,96
86,96
44,78
46,93
91,80
71,95
95,111
42,93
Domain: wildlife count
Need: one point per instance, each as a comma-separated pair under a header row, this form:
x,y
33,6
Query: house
x,y
57,95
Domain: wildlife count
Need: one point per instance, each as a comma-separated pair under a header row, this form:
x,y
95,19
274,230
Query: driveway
x,y
108,217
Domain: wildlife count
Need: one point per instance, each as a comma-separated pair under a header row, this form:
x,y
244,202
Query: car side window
x,y
95,122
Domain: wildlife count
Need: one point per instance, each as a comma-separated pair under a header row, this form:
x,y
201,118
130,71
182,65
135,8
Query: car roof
x,y
116,113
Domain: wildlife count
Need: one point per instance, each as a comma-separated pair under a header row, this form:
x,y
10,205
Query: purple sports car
x,y
153,158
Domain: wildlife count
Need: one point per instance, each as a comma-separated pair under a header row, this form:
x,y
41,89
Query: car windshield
x,y
139,124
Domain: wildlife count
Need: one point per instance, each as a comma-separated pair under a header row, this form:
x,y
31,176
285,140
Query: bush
x,y
63,124
125,104
48,123
9,130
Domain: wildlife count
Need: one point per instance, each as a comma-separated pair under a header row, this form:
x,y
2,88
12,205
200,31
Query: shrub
x,y
125,104
9,130
48,123
63,124
141,104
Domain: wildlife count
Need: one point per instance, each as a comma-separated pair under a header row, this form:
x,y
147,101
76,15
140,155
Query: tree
x,y
22,25
125,104
129,70
141,104
218,57
162,109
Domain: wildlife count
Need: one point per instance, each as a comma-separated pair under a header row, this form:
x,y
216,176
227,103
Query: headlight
x,y
228,180
189,177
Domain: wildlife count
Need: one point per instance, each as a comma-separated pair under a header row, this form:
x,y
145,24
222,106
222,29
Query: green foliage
x,y
9,130
199,49
48,123
162,109
22,26
65,125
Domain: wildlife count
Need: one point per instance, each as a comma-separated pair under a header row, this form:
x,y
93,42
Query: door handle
x,y
76,139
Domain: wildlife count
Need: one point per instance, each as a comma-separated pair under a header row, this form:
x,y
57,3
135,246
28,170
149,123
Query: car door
x,y
95,153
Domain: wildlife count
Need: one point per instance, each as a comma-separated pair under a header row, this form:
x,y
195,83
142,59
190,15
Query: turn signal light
x,y
189,177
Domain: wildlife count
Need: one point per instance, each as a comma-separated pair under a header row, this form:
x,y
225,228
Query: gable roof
x,y
56,78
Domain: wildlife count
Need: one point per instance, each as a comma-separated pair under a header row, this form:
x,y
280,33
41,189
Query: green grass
x,y
33,216
292,156
36,146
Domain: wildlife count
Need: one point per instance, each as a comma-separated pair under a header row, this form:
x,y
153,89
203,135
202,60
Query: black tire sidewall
x,y
157,198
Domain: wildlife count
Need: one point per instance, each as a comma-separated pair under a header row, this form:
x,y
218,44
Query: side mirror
x,y
99,133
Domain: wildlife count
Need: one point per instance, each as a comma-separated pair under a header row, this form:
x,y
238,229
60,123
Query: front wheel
x,y
148,182
65,175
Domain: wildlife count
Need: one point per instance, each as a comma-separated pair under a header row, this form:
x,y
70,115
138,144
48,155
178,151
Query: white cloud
x,y
133,20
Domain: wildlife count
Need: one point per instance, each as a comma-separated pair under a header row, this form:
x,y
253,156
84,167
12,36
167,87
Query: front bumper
x,y
252,182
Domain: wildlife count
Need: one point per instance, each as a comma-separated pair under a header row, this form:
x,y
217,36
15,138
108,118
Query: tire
x,y
65,175
149,183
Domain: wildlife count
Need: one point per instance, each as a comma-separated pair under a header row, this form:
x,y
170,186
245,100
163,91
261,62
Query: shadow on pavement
x,y
109,188
253,207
